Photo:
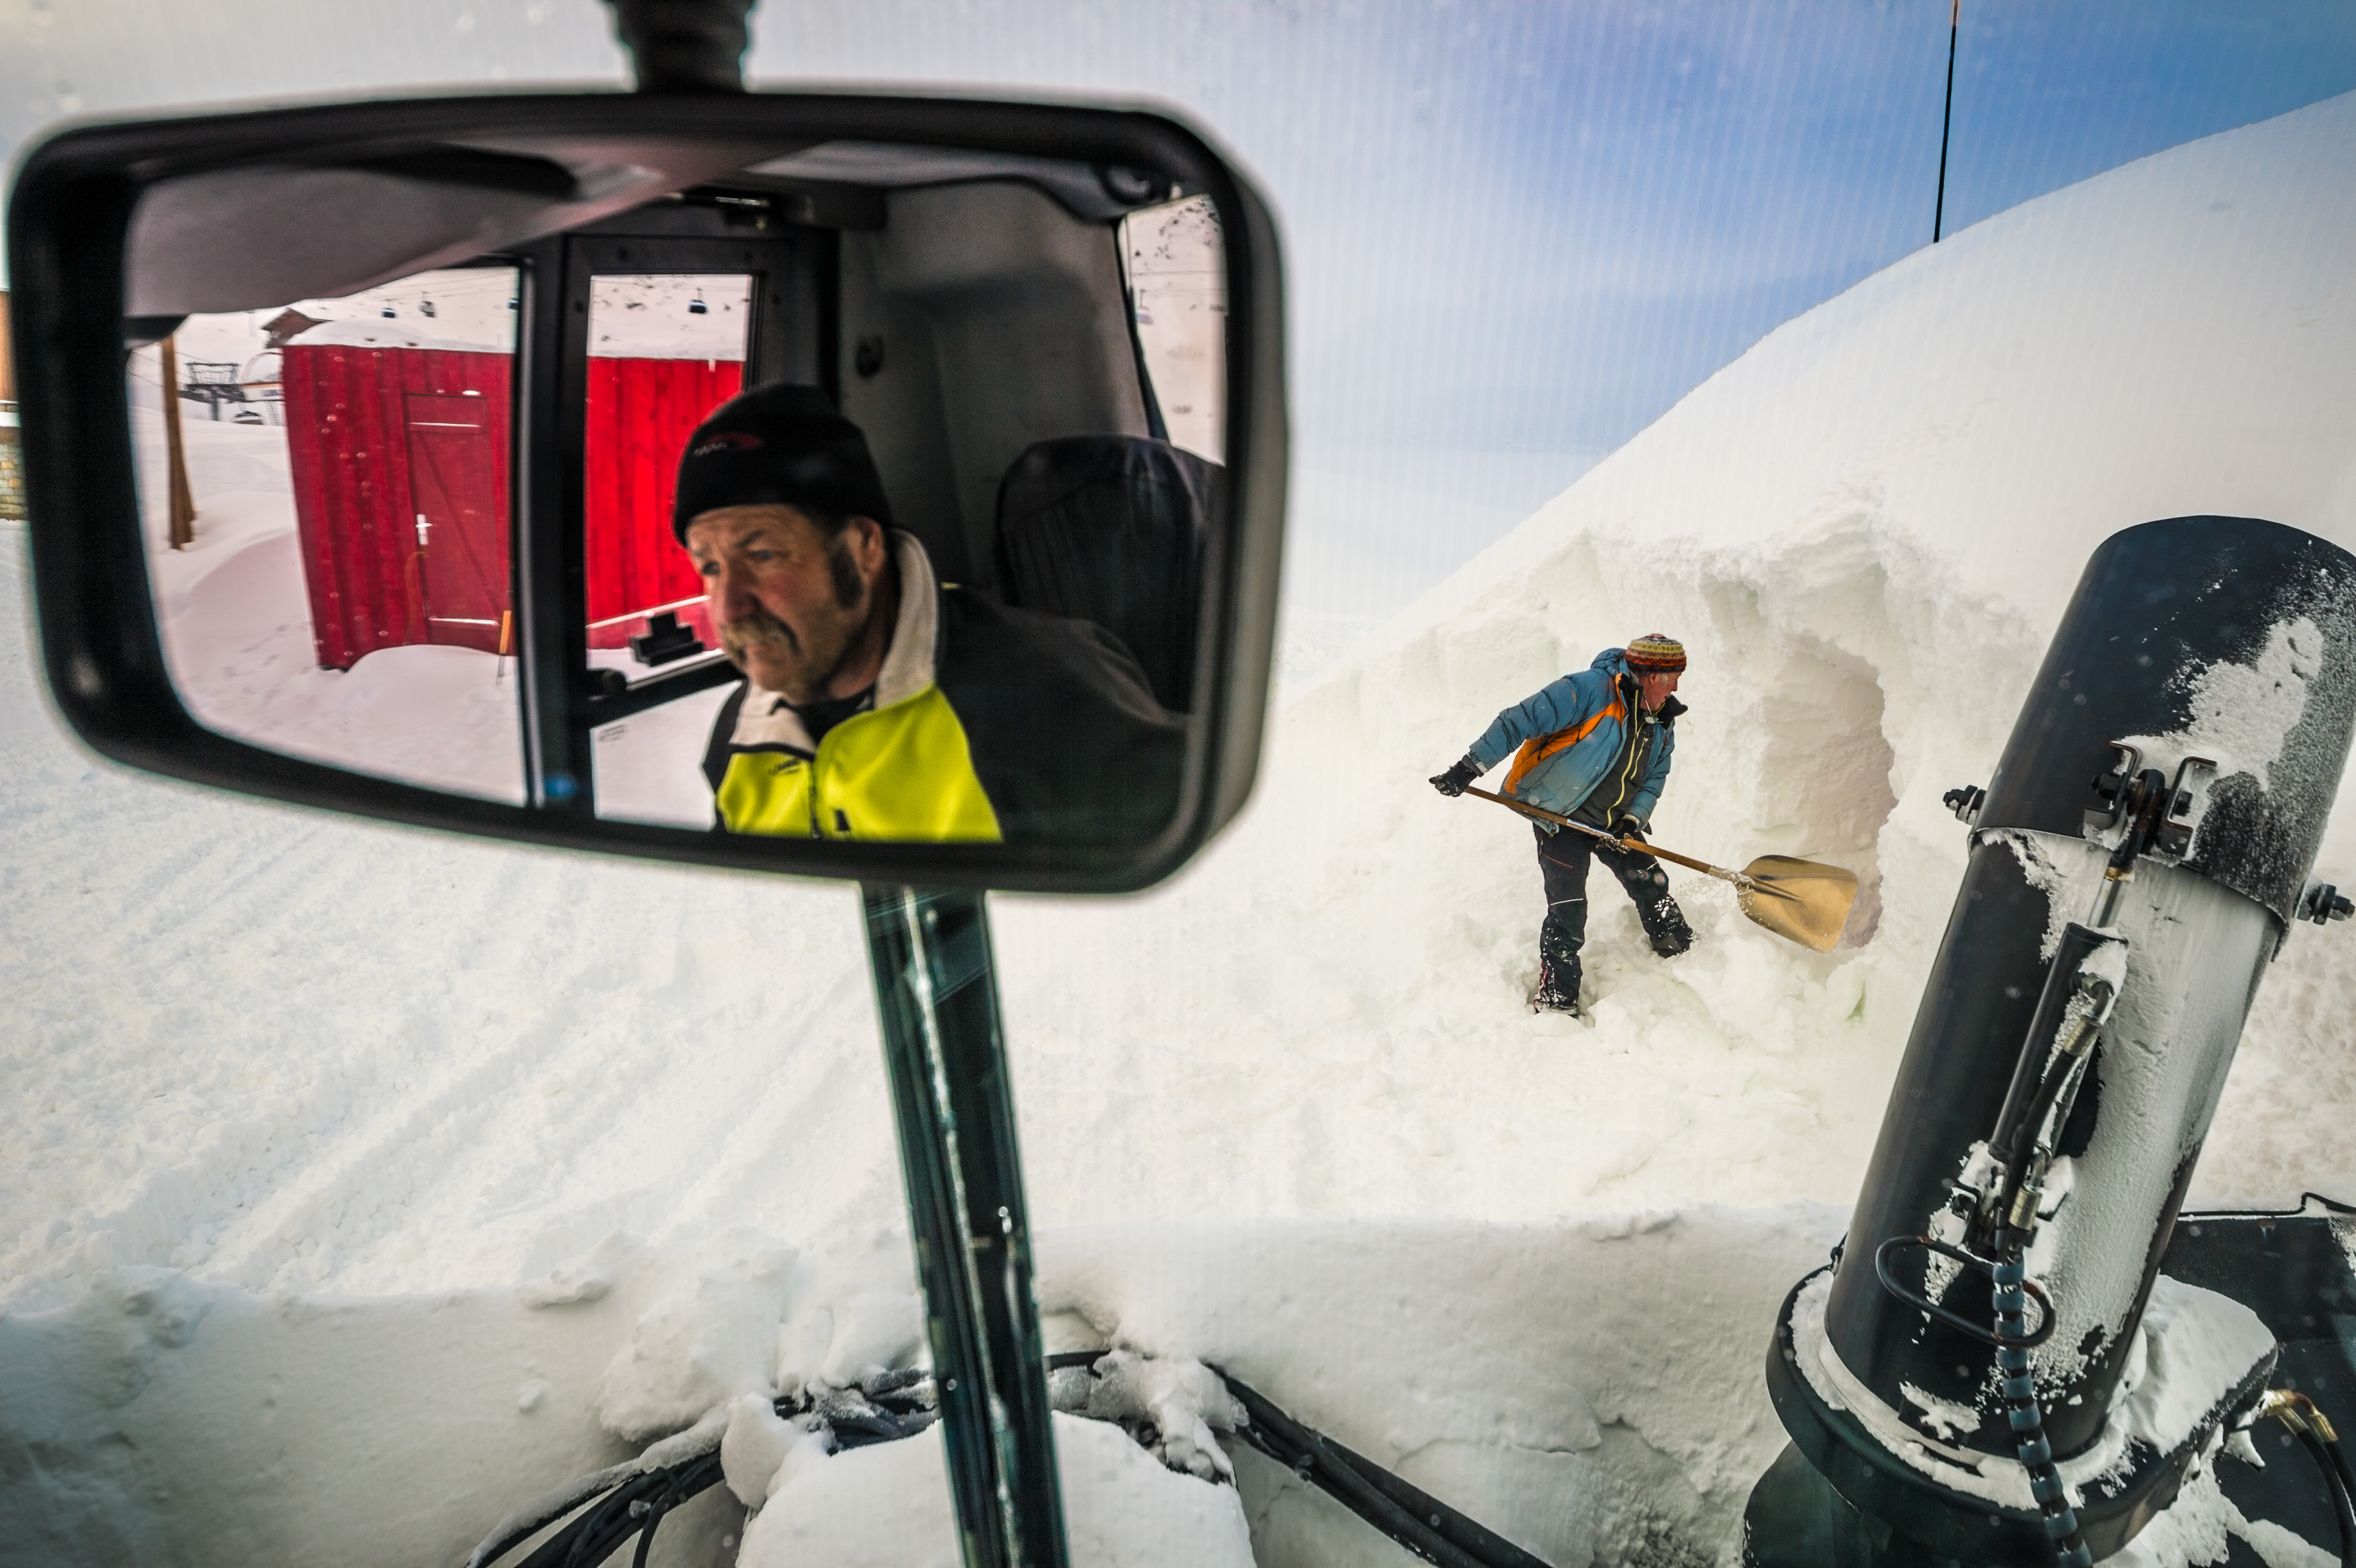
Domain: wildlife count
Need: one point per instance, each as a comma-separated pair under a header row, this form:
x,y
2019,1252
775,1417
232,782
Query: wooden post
x,y
12,468
183,504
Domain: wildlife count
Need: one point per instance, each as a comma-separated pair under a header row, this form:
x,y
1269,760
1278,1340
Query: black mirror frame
x,y
70,213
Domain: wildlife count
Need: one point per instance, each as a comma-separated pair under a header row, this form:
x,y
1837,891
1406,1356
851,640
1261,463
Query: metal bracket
x,y
2322,903
2111,790
2174,833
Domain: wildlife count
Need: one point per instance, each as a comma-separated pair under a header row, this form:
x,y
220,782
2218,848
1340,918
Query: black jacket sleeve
x,y
1065,732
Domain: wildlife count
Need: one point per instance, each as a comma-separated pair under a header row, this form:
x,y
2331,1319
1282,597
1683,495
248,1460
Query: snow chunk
x,y
2108,962
874,1333
2283,1548
680,1447
2197,1344
584,1279
706,1341
888,1507
1180,1401
755,1447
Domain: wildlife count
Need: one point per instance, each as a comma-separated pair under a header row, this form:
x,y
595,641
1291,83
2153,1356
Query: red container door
x,y
461,560
376,440
640,413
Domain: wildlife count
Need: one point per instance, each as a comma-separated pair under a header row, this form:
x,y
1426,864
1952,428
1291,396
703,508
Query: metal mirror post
x,y
943,1049
936,1002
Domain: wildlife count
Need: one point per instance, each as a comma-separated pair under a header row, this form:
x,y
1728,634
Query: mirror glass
x,y
865,489
1178,288
325,490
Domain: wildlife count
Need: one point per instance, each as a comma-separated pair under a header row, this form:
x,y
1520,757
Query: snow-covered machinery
x,y
1994,1368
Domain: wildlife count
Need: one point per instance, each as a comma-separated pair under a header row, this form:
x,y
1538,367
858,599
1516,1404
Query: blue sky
x,y
1518,229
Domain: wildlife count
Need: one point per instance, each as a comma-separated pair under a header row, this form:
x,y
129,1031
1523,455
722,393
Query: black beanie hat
x,y
778,444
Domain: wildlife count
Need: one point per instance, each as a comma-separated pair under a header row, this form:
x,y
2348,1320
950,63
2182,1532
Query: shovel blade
x,y
1799,900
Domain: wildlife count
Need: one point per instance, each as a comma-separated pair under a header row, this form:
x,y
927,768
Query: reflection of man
x,y
879,703
1594,747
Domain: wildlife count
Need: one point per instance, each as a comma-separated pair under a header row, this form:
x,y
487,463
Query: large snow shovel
x,y
1799,900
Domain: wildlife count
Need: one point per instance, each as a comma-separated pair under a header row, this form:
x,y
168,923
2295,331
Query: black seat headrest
x,y
1110,529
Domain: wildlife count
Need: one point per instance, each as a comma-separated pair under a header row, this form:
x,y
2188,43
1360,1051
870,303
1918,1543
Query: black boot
x,y
1648,888
1558,975
1665,924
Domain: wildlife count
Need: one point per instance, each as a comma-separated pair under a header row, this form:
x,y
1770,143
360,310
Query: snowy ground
x,y
292,1106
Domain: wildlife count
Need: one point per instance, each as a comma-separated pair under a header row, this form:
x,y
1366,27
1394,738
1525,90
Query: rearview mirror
x,y
854,487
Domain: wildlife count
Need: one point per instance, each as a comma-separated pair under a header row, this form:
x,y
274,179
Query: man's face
x,y
1657,687
790,604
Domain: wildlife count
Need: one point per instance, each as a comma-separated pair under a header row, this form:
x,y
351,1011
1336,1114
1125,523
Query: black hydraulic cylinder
x,y
2210,662
943,1052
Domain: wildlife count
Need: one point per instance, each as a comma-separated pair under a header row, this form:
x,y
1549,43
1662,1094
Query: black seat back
x,y
1110,529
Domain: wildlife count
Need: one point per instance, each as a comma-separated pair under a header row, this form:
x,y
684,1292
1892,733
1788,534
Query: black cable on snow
x,y
1413,1518
614,1504
623,1501
539,1514
636,1507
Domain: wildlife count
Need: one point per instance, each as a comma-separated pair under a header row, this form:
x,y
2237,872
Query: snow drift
x,y
260,1063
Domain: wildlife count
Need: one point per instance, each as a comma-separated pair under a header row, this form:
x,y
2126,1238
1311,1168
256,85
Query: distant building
x,y
286,326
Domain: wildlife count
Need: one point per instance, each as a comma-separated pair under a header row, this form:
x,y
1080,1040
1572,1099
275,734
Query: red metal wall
x,y
641,413
348,441
357,418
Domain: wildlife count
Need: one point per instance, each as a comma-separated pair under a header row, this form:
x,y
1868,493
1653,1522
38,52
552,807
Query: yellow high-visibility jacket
x,y
989,724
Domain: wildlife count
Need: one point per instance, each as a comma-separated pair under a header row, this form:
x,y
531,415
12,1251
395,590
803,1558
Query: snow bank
x,y
1864,529
1578,1387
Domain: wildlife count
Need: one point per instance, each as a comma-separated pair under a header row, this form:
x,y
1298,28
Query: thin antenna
x,y
1946,120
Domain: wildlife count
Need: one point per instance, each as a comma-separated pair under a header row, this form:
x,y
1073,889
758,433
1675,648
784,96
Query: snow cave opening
x,y
1823,767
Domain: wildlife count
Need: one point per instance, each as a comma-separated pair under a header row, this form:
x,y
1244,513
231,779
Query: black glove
x,y
1463,772
1628,827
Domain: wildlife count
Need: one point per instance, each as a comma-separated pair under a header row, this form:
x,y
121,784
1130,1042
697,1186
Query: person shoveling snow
x,y
1594,749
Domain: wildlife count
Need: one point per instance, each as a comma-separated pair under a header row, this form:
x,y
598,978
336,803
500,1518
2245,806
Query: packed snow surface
x,y
357,1185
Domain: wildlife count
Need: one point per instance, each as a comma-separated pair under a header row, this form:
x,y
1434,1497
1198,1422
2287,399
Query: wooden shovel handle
x,y
1685,860
1543,814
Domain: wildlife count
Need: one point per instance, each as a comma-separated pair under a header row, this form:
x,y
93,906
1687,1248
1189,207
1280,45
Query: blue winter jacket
x,y
1569,735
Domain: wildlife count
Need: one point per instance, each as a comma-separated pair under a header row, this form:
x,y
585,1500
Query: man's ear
x,y
872,545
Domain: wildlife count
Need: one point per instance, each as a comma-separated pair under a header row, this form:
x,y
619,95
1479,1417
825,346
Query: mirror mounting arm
x,y
684,46
944,1051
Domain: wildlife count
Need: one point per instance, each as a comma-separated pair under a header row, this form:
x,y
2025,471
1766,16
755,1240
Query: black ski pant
x,y
1563,857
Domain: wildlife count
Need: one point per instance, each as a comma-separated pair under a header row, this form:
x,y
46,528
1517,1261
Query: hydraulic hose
x,y
2316,1434
2028,1418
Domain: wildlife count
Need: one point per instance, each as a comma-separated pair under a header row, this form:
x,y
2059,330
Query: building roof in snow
x,y
386,335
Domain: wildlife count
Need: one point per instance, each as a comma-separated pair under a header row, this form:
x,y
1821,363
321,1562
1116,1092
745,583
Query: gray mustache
x,y
757,630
